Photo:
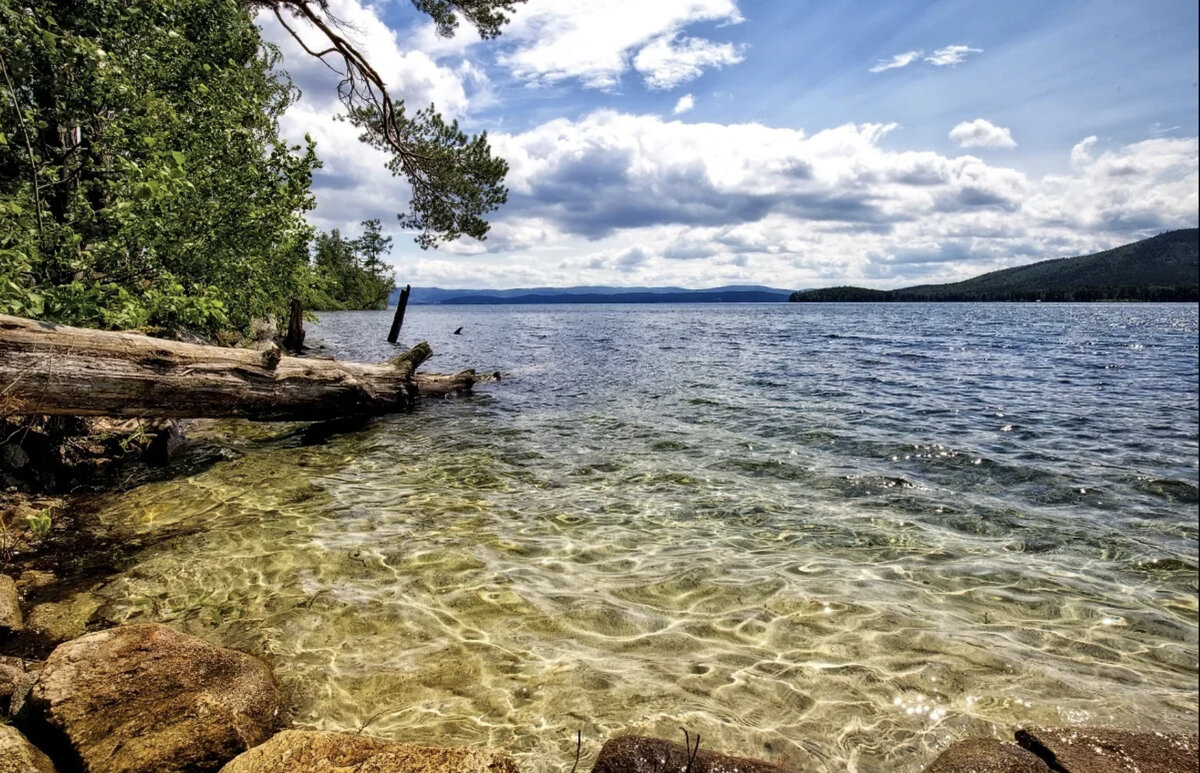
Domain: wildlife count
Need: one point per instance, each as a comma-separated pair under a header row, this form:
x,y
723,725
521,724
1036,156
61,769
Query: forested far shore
x,y
1162,268
1151,293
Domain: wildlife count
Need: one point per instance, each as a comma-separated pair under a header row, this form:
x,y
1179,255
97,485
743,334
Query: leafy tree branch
x,y
454,178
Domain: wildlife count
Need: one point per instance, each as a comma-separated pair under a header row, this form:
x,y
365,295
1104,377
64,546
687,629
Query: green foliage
x,y
14,539
487,16
350,273
143,183
39,525
455,180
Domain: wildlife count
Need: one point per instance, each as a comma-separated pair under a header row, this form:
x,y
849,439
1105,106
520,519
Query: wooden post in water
x,y
398,320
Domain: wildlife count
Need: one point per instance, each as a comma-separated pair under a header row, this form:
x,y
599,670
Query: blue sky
x,y
779,142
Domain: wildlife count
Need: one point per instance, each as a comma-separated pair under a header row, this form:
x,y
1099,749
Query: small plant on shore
x,y
15,538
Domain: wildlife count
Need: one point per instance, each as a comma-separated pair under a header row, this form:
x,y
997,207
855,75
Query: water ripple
x,y
838,536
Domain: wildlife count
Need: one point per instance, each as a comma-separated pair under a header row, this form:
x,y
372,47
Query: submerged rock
x,y
10,606
17,755
640,754
987,755
1107,750
35,579
148,699
61,621
301,751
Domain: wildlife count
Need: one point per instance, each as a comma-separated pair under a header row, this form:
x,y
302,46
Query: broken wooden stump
x,y
398,319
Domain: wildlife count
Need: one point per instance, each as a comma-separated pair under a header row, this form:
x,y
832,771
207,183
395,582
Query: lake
x,y
842,536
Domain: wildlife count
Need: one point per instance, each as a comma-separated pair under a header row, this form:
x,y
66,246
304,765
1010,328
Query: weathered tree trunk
x,y
59,370
294,340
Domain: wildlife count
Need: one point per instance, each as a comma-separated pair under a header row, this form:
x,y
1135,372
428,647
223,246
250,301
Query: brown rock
x,y
10,606
987,755
33,579
16,680
640,754
1108,750
301,751
147,699
17,755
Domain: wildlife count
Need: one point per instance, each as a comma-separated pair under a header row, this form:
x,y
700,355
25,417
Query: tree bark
x,y
59,370
294,340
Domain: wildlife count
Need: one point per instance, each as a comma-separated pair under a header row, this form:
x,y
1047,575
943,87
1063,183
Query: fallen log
x,y
59,370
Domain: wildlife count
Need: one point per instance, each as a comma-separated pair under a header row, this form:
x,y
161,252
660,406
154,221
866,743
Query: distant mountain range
x,y
1161,268
596,294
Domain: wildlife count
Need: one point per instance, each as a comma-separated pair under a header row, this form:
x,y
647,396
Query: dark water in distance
x,y
838,535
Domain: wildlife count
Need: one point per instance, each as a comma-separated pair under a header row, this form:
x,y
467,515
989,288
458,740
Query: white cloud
x,y
636,199
685,103
943,57
1081,154
669,61
615,198
409,74
1147,186
897,61
951,55
592,41
610,172
982,134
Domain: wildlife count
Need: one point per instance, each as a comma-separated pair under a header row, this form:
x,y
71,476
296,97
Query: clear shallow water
x,y
841,536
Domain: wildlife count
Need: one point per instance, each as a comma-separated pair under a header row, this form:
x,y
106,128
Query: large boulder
x,y
147,699
987,755
1107,750
10,607
640,754
301,751
17,755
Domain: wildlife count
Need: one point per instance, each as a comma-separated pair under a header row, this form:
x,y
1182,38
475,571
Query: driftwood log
x,y
59,370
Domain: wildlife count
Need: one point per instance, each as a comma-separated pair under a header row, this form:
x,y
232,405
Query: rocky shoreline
x,y
145,698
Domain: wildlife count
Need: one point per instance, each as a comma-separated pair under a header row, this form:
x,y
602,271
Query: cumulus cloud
x,y
745,201
612,171
556,40
897,61
1081,154
951,55
1147,186
982,134
669,61
617,198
